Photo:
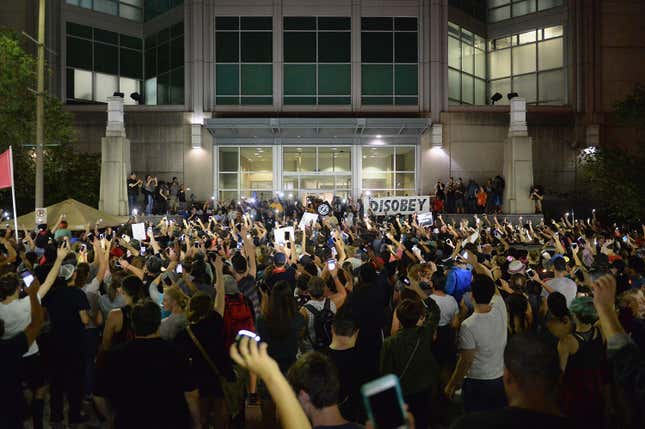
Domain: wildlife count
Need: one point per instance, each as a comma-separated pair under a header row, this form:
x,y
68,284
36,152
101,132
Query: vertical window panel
x,y
526,87
524,59
82,85
500,64
377,79
454,53
550,54
454,85
104,86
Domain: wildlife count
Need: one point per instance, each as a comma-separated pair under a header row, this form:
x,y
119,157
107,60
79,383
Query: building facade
x,y
237,97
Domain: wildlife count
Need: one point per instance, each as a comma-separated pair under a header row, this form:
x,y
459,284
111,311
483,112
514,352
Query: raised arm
x,y
53,273
220,302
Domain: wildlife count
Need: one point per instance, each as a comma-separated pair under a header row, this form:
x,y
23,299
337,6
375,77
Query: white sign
x,y
281,234
139,231
397,205
41,215
307,218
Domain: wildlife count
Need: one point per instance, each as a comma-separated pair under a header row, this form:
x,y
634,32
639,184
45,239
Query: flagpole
x,y
13,193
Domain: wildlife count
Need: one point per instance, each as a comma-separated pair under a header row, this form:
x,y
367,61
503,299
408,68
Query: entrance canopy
x,y
253,131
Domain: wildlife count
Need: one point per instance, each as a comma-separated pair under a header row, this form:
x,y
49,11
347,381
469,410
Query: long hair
x,y
82,274
517,305
281,311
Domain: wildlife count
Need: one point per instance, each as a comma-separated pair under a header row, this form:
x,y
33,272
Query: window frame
x,y
395,171
240,191
335,175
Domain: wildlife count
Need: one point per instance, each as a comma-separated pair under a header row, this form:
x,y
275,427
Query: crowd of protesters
x,y
485,323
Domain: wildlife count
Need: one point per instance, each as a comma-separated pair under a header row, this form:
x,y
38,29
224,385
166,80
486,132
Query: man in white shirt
x,y
482,339
559,282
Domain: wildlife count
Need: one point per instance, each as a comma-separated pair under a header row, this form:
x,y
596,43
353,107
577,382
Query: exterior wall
x,y
473,147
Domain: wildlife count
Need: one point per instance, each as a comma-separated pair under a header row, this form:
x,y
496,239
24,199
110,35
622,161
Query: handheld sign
x,y
307,219
324,209
425,219
398,205
139,231
281,233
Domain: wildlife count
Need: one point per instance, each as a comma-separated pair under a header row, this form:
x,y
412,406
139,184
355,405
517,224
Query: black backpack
x,y
323,321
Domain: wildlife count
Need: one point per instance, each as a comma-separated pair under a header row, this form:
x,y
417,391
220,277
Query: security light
x,y
495,97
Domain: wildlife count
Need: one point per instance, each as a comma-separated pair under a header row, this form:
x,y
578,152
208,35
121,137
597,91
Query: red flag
x,y
5,170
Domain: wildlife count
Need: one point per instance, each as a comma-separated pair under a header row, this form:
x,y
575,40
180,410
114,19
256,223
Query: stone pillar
x,y
518,161
115,162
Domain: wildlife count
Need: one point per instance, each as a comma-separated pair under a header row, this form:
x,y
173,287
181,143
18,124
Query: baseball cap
x,y
66,271
516,267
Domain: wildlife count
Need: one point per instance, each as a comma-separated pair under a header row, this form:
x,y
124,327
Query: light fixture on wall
x,y
136,97
495,97
195,136
512,95
117,94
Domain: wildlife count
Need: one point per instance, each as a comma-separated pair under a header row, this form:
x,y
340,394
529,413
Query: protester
x,y
384,275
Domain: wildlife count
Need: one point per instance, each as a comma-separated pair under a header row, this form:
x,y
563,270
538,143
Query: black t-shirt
x,y
11,352
133,190
352,375
511,418
63,305
147,379
288,275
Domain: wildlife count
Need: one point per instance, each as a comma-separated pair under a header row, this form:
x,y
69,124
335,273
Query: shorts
x,y
32,371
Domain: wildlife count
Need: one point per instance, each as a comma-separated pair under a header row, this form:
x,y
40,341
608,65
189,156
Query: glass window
x,y
480,63
548,4
228,180
526,86
551,86
480,92
405,158
552,32
527,37
405,47
524,59
127,86
500,64
256,159
467,89
503,86
228,159
82,85
131,63
454,53
79,53
454,85
299,79
334,79
106,6
151,91
104,86
377,79
334,47
499,14
550,54
299,159
129,12
389,169
244,55
299,47
376,47
467,58
523,7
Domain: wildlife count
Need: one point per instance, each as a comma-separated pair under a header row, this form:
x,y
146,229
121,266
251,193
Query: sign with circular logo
x,y
324,209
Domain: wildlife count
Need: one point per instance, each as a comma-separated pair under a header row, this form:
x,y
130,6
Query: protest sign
x,y
139,231
425,219
307,218
41,215
397,205
282,235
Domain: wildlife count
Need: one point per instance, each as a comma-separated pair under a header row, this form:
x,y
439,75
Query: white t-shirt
x,y
16,317
486,334
565,286
447,308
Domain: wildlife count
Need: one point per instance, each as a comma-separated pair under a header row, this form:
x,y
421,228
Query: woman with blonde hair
x,y
174,302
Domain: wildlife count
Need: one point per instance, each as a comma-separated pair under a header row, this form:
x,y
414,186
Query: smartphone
x,y
406,281
287,235
435,231
240,245
465,255
142,250
179,269
530,273
331,264
510,258
117,264
384,402
27,278
248,334
625,238
101,236
196,245
83,247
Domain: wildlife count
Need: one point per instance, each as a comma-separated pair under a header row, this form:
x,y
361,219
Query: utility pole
x,y
40,105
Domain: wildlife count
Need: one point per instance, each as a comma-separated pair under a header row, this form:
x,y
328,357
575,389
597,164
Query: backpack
x,y
237,316
323,321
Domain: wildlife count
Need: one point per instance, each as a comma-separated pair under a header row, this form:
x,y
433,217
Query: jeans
x,y
132,202
483,395
149,204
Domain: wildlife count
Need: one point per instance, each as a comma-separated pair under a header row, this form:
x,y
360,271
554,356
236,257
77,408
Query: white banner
x,y
397,205
425,219
282,235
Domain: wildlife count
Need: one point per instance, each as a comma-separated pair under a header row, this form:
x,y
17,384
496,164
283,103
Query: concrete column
x,y
357,170
115,162
194,60
518,161
435,161
198,164
356,55
424,55
438,57
278,55
276,153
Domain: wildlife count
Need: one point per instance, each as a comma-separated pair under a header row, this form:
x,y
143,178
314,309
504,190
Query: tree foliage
x,y
67,174
616,176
